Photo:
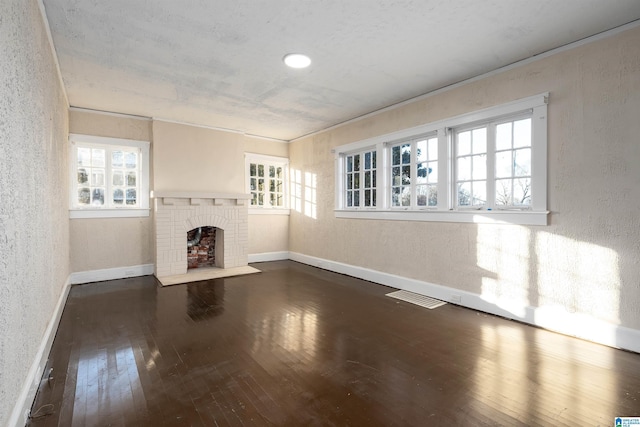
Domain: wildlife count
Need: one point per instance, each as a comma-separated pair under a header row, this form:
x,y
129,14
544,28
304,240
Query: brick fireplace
x,y
176,213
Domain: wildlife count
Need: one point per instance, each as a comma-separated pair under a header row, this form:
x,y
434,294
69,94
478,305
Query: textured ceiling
x,y
219,63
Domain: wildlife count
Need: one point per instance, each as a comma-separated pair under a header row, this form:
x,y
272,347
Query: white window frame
x,y
361,176
108,211
267,161
413,165
446,209
491,172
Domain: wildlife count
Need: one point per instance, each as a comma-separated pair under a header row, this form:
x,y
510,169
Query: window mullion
x,y
491,165
382,179
413,204
108,180
444,170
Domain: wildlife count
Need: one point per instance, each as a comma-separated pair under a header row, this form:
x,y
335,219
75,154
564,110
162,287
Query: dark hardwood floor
x,y
298,346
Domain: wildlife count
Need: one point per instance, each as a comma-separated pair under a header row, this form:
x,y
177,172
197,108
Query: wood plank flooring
x,y
299,346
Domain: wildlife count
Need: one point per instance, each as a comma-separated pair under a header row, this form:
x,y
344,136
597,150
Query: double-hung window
x,y
109,177
483,166
267,181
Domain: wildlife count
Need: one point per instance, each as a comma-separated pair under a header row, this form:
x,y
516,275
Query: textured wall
x,y
97,243
34,232
587,261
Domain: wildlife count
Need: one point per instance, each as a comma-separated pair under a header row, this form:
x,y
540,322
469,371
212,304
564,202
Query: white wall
x,y
34,224
581,271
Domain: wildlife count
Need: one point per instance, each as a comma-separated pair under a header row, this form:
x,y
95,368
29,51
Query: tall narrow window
x,y
276,185
427,172
471,167
360,179
369,187
401,175
513,163
414,173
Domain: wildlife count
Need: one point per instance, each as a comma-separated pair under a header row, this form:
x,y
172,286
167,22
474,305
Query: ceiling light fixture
x,y
297,60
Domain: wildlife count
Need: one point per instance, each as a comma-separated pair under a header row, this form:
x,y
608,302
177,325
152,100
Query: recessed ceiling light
x,y
297,60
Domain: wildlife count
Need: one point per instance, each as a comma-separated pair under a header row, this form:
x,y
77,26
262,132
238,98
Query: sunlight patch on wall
x,y
296,190
504,253
310,203
577,277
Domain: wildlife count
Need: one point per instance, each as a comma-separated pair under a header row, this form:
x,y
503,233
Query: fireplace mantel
x,y
198,195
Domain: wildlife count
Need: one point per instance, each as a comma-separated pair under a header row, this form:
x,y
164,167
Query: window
x,y
267,181
361,179
484,166
414,173
109,177
493,164
513,163
471,167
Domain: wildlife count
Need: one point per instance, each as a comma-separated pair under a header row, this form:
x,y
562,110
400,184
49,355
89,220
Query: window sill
x,y
108,213
477,217
268,211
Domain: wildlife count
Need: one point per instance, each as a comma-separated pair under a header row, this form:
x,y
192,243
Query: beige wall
x,y
585,262
190,158
184,158
88,122
97,243
34,224
265,146
267,233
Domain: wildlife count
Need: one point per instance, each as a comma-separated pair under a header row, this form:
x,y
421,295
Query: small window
x,y
513,163
109,177
267,181
360,179
471,167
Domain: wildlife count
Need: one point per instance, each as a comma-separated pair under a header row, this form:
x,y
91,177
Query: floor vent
x,y
417,299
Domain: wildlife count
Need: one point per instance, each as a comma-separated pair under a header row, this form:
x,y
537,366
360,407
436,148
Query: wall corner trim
x,y
21,411
111,274
556,320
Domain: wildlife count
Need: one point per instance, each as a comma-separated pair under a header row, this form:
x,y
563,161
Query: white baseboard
x,y
111,273
556,319
20,414
269,256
